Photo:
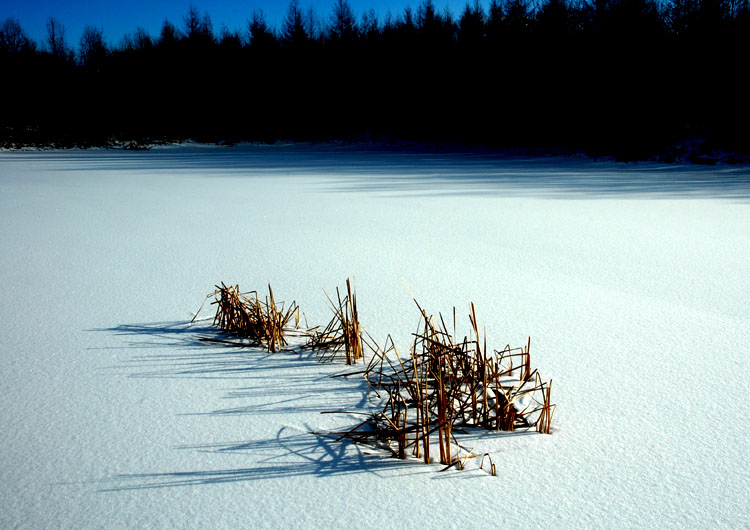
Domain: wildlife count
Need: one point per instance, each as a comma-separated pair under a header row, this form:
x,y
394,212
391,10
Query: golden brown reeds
x,y
544,421
446,382
443,383
343,333
245,315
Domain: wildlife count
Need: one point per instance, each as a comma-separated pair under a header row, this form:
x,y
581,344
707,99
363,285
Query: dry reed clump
x,y
446,382
247,316
343,333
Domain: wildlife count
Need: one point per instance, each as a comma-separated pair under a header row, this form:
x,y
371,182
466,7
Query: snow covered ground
x,y
633,282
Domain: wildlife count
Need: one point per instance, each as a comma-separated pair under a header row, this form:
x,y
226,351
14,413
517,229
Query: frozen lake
x,y
633,282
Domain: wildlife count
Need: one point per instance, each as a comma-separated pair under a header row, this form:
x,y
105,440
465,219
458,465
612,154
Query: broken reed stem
x,y
544,422
493,471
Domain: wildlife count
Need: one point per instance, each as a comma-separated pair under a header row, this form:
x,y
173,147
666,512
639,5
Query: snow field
x,y
632,281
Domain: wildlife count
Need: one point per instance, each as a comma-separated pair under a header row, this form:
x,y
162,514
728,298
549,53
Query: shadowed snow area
x,y
633,282
397,170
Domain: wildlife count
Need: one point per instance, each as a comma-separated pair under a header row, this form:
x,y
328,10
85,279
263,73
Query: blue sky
x,y
116,18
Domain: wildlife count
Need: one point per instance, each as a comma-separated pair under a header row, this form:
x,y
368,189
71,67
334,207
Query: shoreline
x,y
690,152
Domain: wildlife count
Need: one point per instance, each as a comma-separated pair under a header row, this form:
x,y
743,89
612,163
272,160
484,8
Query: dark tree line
x,y
624,77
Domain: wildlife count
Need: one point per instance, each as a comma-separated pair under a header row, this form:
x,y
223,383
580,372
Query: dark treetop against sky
x,y
117,17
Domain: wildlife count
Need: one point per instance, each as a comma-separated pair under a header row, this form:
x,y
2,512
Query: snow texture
x,y
633,282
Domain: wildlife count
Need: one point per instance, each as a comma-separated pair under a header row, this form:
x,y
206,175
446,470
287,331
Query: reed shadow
x,y
162,334
289,454
290,381
273,384
195,357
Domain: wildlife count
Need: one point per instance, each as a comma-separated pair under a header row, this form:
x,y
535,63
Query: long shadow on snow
x,y
268,375
286,456
274,384
163,334
195,358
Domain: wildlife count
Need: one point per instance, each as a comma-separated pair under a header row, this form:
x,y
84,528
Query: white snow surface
x,y
633,282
